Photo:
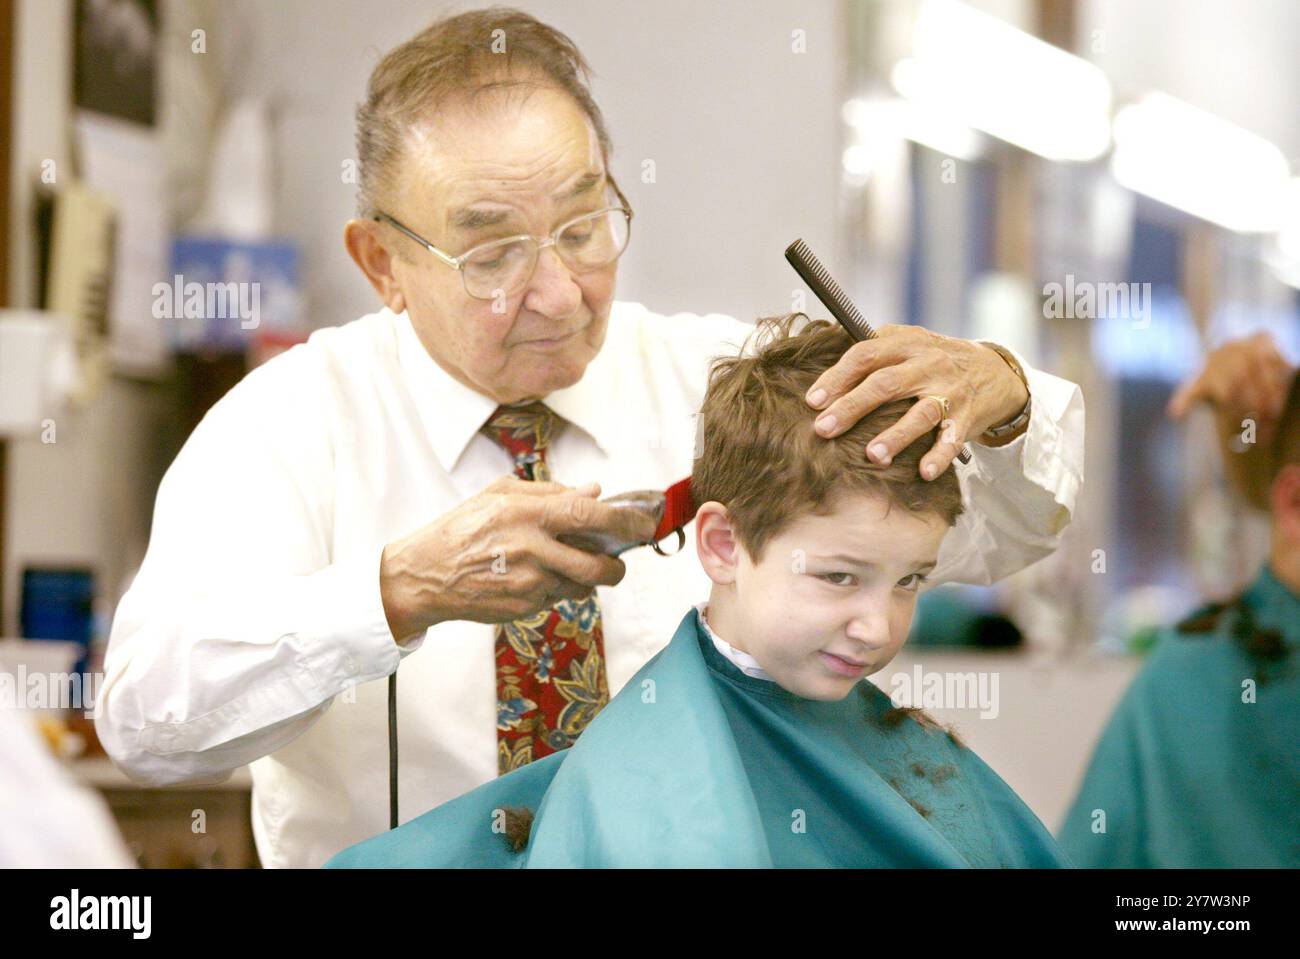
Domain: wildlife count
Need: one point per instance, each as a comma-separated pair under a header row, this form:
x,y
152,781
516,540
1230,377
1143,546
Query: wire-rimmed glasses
x,y
503,267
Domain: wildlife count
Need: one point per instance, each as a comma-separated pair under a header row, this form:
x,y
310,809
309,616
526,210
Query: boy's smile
x,y
832,598
844,665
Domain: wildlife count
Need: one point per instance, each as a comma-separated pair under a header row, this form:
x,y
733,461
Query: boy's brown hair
x,y
761,457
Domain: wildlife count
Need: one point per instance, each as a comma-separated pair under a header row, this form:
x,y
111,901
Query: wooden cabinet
x,y
179,827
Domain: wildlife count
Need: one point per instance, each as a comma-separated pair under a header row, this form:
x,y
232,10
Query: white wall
x,y
1237,60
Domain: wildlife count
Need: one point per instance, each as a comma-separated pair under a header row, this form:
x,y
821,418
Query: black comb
x,y
834,298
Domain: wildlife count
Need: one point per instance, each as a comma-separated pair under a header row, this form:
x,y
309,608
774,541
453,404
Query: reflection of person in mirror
x,y
1198,767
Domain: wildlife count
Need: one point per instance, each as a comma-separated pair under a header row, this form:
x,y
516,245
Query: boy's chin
x,y
824,692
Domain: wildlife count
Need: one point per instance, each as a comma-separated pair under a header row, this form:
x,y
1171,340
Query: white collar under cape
x,y
746,663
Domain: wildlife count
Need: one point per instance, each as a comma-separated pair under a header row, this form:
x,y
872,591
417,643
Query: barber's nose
x,y
552,291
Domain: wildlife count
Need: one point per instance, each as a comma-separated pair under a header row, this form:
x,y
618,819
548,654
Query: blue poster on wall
x,y
227,295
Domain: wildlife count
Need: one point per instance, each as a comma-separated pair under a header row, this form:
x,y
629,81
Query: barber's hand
x,y
495,558
1243,379
907,361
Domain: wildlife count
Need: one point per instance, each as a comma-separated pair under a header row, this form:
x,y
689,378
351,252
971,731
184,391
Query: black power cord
x,y
392,750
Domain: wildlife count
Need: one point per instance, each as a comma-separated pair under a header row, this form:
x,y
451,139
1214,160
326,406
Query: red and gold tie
x,y
550,667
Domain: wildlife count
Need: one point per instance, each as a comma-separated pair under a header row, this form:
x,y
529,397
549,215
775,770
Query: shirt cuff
x,y
351,639
1044,453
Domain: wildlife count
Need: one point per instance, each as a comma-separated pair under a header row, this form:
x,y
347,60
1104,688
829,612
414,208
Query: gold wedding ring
x,y
943,405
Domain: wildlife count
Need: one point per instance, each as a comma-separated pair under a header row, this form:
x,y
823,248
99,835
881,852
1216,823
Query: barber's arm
x,y
1019,488
240,628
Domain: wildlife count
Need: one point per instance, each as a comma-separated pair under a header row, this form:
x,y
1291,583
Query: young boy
x,y
752,739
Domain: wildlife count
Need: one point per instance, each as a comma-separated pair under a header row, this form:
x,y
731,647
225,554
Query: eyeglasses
x,y
504,267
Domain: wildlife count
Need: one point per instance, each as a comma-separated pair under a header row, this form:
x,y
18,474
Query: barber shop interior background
x,y
1108,187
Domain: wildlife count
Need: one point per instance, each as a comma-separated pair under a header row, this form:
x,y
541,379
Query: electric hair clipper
x,y
671,510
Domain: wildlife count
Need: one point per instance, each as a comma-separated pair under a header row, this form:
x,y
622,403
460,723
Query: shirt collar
x,y
453,412
1274,606
746,663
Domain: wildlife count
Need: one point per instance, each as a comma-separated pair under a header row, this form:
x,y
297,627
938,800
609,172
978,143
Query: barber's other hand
x,y
495,558
1245,378
906,361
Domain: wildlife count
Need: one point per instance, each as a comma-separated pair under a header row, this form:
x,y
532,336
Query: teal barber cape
x,y
1190,772
695,764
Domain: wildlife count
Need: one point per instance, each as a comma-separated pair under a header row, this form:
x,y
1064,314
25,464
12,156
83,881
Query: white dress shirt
x,y
254,632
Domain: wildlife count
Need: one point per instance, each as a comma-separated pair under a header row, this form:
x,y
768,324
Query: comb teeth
x,y
821,282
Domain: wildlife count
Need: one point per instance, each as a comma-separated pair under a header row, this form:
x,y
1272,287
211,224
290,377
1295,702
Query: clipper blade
x,y
593,541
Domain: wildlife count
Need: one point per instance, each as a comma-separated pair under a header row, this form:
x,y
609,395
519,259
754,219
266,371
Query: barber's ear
x,y
715,543
361,237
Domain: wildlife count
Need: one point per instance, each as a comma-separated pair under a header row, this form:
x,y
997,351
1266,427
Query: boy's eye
x,y
837,579
912,581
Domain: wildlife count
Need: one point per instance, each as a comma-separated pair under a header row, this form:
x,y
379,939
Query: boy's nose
x,y
870,628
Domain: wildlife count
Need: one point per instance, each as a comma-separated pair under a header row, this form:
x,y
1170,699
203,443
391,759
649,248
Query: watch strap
x,y
1016,423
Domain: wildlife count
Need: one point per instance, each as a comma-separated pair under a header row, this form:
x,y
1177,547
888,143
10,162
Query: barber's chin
x,y
545,376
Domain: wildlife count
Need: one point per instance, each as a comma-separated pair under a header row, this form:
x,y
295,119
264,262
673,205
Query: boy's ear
x,y
715,543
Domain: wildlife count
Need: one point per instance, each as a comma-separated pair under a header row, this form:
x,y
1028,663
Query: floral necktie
x,y
550,667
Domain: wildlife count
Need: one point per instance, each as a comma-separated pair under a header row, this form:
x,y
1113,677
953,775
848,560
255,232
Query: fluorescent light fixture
x,y
1284,257
858,159
990,76
890,117
1288,237
1200,163
1287,271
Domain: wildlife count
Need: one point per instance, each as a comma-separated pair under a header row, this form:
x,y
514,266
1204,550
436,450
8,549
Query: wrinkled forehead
x,y
525,146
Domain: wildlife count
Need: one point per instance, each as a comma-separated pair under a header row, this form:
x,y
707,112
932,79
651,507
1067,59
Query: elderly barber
x,y
394,489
